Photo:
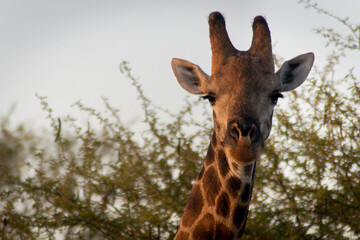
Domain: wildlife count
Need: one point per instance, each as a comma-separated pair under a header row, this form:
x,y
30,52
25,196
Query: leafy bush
x,y
102,180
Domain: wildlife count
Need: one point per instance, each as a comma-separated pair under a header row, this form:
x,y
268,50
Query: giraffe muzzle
x,y
243,142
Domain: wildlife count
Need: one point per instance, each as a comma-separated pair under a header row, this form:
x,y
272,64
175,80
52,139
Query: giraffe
x,y
243,89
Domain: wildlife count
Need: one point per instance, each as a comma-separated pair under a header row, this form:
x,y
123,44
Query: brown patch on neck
x,y
210,156
233,185
205,228
239,216
209,159
223,233
222,161
246,194
223,205
211,185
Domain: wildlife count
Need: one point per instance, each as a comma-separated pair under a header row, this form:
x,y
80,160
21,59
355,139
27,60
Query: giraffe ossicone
x,y
243,89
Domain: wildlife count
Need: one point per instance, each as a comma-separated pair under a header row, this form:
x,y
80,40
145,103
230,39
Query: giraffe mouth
x,y
243,142
244,150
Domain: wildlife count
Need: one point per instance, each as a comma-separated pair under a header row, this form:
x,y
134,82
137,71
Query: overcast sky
x,y
71,50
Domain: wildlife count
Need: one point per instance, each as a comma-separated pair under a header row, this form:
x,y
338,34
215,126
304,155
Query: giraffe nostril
x,y
252,133
235,131
238,131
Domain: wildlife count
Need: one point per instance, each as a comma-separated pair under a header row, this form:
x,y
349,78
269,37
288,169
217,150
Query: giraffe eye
x,y
275,96
210,98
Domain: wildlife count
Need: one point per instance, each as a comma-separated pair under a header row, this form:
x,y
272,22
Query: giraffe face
x,y
243,102
243,87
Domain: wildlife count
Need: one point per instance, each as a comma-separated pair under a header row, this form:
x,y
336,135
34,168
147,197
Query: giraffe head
x,y
243,87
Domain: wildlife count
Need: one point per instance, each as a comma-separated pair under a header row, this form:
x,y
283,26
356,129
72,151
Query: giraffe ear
x,y
294,72
189,75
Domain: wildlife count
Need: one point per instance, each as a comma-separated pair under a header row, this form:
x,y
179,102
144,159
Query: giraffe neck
x,y
218,204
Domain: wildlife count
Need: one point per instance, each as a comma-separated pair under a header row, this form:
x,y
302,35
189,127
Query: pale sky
x,y
71,50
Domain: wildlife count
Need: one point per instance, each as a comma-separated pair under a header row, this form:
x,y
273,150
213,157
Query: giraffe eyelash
x,y
274,97
210,98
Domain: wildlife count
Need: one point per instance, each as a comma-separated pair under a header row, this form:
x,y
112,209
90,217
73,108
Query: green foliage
x,y
102,180
350,41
